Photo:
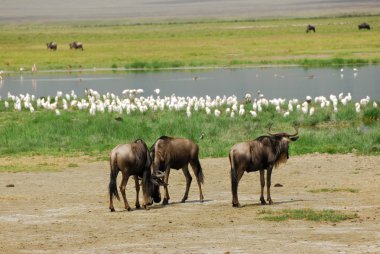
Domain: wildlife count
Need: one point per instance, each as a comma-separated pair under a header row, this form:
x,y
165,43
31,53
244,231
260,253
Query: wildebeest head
x,y
282,141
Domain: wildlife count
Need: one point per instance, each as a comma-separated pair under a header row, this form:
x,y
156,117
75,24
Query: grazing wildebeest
x,y
52,45
176,153
133,159
364,26
265,152
76,45
310,28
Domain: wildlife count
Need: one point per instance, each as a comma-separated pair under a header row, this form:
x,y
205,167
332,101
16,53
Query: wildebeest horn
x,y
295,134
160,174
270,132
159,181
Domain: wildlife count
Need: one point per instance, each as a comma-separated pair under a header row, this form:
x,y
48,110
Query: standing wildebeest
x,y
76,45
176,153
52,45
133,159
364,26
264,152
310,28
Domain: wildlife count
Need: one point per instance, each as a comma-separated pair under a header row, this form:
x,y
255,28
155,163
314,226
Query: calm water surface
x,y
284,82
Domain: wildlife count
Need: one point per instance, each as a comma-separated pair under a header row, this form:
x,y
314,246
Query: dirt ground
x,y
67,211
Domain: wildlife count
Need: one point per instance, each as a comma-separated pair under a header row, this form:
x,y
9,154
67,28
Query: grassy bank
x,y
78,132
117,44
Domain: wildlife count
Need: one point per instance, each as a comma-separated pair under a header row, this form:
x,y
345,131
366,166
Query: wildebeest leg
x,y
166,197
235,199
188,177
269,179
196,168
137,186
262,184
123,185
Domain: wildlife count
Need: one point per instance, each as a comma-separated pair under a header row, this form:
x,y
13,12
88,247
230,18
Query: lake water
x,y
273,82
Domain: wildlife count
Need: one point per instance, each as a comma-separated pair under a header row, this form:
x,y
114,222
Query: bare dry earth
x,y
67,212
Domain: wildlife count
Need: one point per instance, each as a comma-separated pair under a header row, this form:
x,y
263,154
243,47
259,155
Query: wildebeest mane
x,y
277,146
142,154
153,151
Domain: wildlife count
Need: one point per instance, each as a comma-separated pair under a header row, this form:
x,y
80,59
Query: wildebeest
x,y
76,45
265,152
310,28
52,45
133,159
176,153
364,26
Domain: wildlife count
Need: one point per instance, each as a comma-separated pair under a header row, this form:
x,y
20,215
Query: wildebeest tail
x,y
234,182
113,175
199,172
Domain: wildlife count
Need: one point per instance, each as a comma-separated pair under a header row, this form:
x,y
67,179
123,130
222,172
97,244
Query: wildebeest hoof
x,y
138,206
263,202
112,209
236,205
128,209
165,201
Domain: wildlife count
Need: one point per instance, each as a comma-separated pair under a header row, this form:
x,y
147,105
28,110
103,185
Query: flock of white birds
x,y
132,100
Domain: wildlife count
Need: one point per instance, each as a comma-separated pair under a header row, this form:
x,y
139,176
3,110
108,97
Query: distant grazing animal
x,y
264,152
133,159
76,45
176,153
310,28
364,26
52,45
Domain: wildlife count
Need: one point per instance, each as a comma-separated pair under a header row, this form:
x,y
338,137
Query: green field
x,y
77,132
118,44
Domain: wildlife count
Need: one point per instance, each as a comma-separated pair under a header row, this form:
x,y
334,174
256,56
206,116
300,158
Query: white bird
x,y
57,113
217,112
357,107
311,111
374,104
208,110
157,91
286,114
253,113
188,113
241,111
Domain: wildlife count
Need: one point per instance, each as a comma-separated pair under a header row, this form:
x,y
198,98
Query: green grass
x,y
118,44
306,214
77,132
330,190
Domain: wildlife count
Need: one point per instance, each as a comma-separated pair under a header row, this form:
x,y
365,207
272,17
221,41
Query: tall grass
x,y
77,132
182,44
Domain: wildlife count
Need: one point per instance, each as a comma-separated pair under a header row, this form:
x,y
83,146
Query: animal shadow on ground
x,y
274,203
153,207
190,201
